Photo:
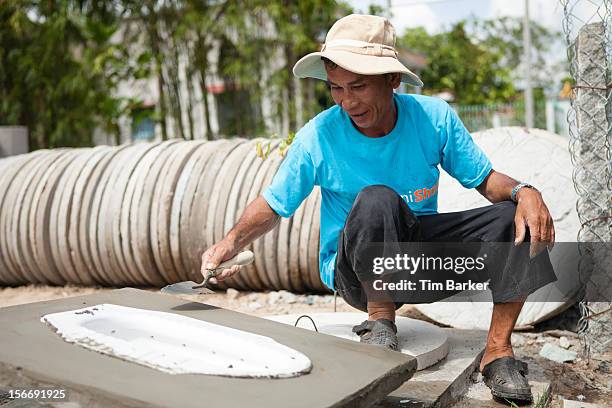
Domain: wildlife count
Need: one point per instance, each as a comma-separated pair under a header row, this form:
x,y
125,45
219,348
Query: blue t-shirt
x,y
331,153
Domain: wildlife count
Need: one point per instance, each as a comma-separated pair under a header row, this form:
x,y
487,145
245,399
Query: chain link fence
x,y
482,117
588,33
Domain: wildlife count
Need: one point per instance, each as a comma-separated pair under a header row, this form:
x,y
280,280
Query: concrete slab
x,y
445,383
344,373
424,341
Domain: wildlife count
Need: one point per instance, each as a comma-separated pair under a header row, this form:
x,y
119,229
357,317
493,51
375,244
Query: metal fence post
x,y
590,146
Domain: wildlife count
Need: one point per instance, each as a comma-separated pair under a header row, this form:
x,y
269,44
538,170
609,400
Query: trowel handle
x,y
243,258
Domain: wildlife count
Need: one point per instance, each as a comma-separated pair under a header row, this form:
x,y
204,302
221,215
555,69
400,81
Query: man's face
x,y
368,99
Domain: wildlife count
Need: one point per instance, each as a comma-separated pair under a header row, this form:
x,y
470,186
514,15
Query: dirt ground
x,y
589,381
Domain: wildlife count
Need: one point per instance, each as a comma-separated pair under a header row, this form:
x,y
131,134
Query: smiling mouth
x,y
359,115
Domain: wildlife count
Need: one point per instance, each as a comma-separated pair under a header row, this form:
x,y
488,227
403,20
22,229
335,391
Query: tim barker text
x,y
428,285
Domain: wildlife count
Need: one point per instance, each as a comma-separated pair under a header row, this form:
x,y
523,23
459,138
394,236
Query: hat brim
x,y
312,66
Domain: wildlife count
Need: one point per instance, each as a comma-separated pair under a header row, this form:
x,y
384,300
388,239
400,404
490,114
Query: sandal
x,y
381,332
505,377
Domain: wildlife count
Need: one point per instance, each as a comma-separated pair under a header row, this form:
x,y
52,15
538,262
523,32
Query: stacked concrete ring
x,y
102,176
282,256
25,203
122,219
8,167
255,191
183,201
235,204
175,212
157,200
66,271
213,180
8,190
172,174
248,193
270,240
75,215
117,206
295,274
59,216
20,208
200,236
191,201
131,221
147,252
92,188
44,227
305,240
313,248
9,196
227,178
111,194
117,211
6,276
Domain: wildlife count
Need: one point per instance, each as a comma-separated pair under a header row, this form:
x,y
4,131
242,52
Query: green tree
x,y
504,36
474,73
298,28
58,70
62,61
201,24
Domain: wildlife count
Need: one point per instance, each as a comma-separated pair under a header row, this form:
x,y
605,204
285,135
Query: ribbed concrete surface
x,y
142,214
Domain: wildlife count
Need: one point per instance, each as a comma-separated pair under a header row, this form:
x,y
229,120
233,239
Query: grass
x,y
542,401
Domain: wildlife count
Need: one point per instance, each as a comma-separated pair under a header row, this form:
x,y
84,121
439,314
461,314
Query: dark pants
x,y
380,215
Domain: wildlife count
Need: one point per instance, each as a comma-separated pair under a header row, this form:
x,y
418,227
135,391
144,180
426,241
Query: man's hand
x,y
257,219
532,212
213,256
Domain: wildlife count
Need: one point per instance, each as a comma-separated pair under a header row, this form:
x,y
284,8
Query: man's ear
x,y
394,79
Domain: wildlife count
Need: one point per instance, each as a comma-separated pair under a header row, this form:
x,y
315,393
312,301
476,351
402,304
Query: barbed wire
x,y
588,34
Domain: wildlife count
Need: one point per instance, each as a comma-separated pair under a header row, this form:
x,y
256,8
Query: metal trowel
x,y
193,288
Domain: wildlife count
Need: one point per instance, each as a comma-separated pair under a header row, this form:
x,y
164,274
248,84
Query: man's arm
x,y
530,211
497,187
257,219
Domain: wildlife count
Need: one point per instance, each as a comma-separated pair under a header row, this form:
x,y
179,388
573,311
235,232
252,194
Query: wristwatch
x,y
516,189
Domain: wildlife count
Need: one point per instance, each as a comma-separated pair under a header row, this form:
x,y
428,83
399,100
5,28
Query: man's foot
x,y
506,377
381,332
494,352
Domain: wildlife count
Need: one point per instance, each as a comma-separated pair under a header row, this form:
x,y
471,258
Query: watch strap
x,y
516,189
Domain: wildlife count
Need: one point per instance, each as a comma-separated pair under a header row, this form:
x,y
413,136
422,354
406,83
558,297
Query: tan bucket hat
x,y
359,43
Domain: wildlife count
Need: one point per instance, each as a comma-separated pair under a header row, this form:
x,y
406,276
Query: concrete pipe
x,y
542,159
142,214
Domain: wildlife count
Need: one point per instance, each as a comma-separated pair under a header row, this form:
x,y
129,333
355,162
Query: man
x,y
375,156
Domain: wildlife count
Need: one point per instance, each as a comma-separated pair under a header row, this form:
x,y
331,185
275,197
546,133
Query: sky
x,y
434,15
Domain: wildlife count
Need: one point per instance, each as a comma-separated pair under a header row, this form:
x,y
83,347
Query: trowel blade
x,y
185,288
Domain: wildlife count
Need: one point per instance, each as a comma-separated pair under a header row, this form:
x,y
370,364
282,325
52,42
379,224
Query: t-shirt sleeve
x,y
461,157
292,183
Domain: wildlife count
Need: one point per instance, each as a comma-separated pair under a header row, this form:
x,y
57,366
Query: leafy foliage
x,y
57,68
64,64
456,63
504,37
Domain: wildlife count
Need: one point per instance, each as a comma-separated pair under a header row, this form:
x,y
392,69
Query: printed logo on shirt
x,y
420,194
